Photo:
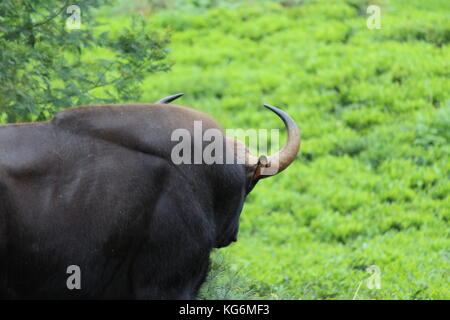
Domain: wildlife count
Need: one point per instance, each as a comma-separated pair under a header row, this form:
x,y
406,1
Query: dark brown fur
x,y
95,187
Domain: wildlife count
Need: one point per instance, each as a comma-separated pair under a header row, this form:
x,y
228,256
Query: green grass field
x,y
372,183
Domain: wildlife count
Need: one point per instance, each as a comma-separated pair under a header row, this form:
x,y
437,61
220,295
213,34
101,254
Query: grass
x,y
371,185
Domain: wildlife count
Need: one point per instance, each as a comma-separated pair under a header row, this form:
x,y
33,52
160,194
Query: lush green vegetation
x,y
42,65
372,183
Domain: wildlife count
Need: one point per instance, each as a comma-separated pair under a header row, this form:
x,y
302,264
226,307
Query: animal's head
x,y
257,168
268,165
230,204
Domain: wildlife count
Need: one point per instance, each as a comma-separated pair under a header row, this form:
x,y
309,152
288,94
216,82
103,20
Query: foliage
x,y
224,282
41,62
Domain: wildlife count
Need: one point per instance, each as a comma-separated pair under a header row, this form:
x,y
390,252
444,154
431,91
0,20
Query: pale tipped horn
x,y
283,158
169,99
266,166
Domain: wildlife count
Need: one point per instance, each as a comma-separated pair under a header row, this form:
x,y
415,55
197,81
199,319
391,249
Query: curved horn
x,y
279,161
169,99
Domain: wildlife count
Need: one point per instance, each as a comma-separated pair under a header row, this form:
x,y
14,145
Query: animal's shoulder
x,y
96,113
147,128
114,115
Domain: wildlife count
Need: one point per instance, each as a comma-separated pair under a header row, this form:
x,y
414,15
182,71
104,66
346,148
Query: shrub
x,y
43,67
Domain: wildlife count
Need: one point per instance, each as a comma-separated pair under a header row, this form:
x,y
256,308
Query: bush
x,y
42,62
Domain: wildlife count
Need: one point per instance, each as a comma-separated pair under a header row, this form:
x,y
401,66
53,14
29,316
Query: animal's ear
x,y
263,162
255,173
169,99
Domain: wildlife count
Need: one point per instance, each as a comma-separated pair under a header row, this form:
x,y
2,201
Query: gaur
x,y
95,187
